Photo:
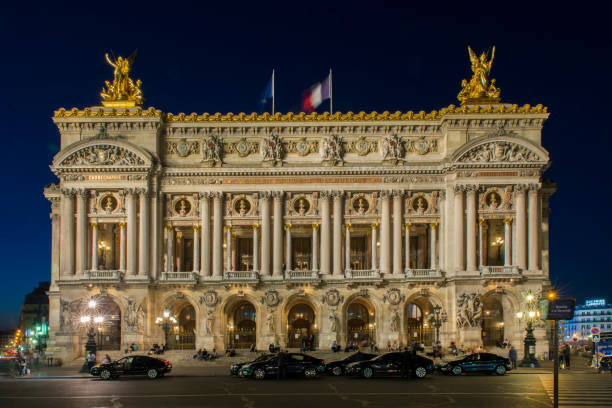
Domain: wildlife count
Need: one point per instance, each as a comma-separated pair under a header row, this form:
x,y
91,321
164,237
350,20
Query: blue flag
x,y
267,94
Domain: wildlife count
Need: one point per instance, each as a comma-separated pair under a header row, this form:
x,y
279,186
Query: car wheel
x,y
500,370
310,372
367,372
457,370
259,374
337,371
152,373
420,372
105,374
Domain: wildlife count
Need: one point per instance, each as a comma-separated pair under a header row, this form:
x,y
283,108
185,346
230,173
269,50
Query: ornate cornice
x,y
100,112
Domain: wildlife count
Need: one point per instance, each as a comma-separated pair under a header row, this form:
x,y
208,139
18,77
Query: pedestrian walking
x,y
281,366
512,355
566,356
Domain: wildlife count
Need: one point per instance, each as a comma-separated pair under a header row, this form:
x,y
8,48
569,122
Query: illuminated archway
x,y
301,326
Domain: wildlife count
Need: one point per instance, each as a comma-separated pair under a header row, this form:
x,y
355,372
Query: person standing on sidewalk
x,y
512,355
566,356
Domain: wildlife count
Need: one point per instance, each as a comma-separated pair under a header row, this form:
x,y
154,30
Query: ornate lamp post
x,y
530,314
436,319
166,321
91,319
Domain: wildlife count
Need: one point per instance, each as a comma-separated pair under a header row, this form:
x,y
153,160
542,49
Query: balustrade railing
x,y
423,273
179,276
301,274
240,275
362,274
103,274
500,270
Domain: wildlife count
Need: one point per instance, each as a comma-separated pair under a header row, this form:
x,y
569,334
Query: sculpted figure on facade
x,y
102,155
134,314
212,149
210,322
333,320
66,315
271,298
123,88
395,321
332,297
479,86
469,310
394,296
272,149
270,321
331,149
210,298
499,152
392,148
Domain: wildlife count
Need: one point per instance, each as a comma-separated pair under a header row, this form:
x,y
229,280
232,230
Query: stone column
x,y
169,249
94,246
347,247
205,250
228,247
288,264
434,244
385,226
143,247
255,247
448,248
122,246
67,233
132,234
266,238
442,231
471,229
217,244
407,246
325,235
521,227
374,245
315,247
81,231
180,251
481,243
154,222
277,246
459,228
337,252
196,248
397,232
508,241
534,227
55,241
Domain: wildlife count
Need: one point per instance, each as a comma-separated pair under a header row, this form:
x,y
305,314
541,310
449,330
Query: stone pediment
x,y
501,151
105,153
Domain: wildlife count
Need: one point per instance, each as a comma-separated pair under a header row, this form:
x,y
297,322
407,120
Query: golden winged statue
x,y
122,92
480,89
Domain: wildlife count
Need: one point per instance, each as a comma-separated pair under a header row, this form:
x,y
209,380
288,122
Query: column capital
x,y
338,194
217,195
265,195
534,188
458,188
442,194
315,227
68,192
81,192
169,228
348,226
122,225
385,194
255,227
228,227
94,225
482,221
397,193
375,226
520,188
288,227
196,228
278,196
508,221
325,195
407,225
434,226
471,188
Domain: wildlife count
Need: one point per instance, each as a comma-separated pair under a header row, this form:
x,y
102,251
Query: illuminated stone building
x,y
260,229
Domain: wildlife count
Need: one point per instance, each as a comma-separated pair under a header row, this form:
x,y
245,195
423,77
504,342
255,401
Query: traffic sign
x,y
596,338
595,330
561,309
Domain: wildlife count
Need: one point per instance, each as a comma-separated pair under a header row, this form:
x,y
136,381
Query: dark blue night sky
x,y
203,57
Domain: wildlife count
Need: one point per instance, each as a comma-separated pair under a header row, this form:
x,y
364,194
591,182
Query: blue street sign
x,y
596,338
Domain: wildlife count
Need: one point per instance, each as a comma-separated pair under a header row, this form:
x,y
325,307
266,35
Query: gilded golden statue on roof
x,y
480,89
122,92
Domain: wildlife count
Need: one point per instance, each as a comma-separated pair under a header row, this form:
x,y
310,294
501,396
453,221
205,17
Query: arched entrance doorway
x,y
360,323
243,326
492,322
182,334
418,328
109,332
301,326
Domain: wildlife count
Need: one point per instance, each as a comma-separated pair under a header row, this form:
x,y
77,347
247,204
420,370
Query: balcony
x,y
302,275
240,276
103,275
179,277
362,274
423,274
499,270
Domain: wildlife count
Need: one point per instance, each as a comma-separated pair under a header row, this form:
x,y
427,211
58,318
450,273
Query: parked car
x,y
132,365
477,363
605,364
339,367
390,364
235,368
296,364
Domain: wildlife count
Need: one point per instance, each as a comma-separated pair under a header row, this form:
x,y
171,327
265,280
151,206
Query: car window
x,y
487,356
125,360
390,357
297,357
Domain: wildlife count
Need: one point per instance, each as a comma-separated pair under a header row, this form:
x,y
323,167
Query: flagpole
x,y
273,92
331,93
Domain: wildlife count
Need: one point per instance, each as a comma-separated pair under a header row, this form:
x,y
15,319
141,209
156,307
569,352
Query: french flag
x,y
316,94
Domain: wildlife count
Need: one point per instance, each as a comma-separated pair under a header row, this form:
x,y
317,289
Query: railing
x,y
179,276
301,275
362,274
240,275
105,275
500,270
423,273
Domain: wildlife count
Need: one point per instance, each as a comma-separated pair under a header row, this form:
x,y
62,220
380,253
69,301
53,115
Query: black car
x,y
338,367
132,365
477,363
235,368
390,364
294,364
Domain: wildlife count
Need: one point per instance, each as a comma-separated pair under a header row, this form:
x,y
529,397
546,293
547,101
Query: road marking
x,y
593,391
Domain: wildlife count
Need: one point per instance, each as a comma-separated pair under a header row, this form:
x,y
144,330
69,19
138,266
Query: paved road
x,y
514,390
581,390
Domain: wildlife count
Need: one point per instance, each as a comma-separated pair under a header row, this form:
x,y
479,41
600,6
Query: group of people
x,y
203,354
157,349
274,348
352,346
307,344
132,348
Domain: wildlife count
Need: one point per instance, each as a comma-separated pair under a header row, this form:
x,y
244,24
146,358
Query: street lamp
x,y
90,319
166,321
530,314
436,319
